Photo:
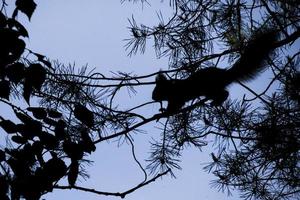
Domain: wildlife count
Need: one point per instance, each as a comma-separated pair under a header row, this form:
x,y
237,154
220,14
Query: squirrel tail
x,y
253,57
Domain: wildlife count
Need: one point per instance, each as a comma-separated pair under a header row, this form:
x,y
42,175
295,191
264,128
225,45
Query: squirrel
x,y
211,82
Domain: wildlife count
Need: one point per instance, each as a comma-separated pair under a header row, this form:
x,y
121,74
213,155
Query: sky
x,y
92,32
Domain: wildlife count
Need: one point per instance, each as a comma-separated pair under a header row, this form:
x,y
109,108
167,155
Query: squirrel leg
x,y
162,109
219,97
174,105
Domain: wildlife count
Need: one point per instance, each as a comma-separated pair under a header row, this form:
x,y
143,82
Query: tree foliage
x,y
71,110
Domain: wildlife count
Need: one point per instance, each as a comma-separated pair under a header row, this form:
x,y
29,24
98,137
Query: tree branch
x,y
118,194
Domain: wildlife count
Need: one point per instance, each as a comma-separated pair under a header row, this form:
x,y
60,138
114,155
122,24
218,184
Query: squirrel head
x,y
160,78
161,88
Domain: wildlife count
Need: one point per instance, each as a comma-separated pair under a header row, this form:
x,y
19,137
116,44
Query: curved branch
x,y
118,194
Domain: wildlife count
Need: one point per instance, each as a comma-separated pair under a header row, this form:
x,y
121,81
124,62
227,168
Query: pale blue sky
x,y
92,32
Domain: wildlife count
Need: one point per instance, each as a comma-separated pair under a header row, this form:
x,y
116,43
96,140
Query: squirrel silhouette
x,y
211,82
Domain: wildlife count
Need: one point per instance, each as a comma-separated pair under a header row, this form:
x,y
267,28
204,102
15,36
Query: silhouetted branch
x,y
119,194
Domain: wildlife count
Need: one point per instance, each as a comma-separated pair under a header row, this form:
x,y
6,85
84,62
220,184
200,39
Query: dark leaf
x,y
8,36
4,89
73,173
48,140
42,59
36,76
17,48
18,139
59,130
87,143
26,6
8,40
53,113
84,115
37,147
13,163
2,20
55,168
73,150
35,126
12,152
34,79
50,121
30,130
15,72
27,90
24,118
9,126
11,46
2,156
38,112
24,130
30,187
12,23
42,179
27,153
